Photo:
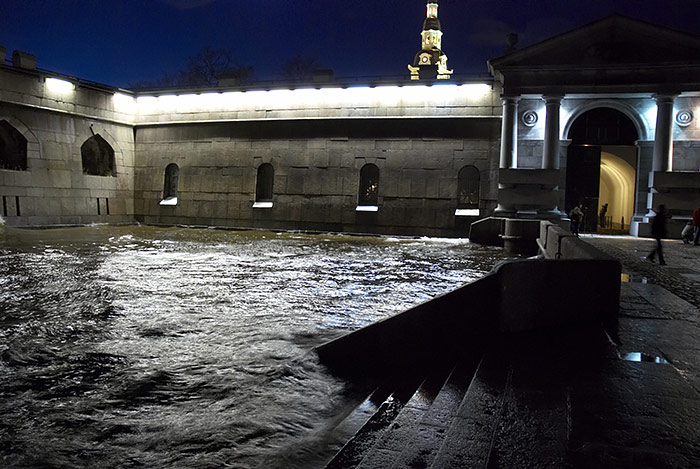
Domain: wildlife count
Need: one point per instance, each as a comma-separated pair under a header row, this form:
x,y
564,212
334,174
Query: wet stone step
x,y
469,439
391,404
403,430
431,432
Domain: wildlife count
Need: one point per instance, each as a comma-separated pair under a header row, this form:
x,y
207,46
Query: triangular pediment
x,y
604,50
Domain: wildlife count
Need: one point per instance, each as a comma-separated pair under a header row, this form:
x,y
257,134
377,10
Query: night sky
x,y
120,42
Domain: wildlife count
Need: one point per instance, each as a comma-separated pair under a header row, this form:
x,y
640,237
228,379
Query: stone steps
x,y
388,399
470,437
411,424
414,438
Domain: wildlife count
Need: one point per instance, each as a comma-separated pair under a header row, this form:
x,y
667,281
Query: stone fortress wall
x,y
316,140
53,190
311,146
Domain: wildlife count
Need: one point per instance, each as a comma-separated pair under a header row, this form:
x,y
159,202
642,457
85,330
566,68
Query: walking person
x,y
658,231
576,217
696,226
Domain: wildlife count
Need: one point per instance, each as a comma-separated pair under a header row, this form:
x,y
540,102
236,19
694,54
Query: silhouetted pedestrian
x,y
696,226
601,215
658,231
576,217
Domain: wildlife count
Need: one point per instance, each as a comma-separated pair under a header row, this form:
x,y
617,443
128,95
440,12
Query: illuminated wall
x,y
57,116
453,100
617,179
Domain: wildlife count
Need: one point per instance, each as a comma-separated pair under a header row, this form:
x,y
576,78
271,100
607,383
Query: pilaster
x,y
663,140
550,157
509,133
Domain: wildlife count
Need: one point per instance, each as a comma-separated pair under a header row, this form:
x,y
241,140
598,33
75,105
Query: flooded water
x,y
174,347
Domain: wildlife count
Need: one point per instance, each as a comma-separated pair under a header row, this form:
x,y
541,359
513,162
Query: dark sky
x,y
118,42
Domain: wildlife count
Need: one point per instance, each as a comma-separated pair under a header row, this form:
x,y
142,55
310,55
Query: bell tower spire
x,y
430,62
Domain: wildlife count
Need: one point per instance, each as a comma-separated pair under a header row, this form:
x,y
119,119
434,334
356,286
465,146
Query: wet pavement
x,y
680,275
634,402
624,397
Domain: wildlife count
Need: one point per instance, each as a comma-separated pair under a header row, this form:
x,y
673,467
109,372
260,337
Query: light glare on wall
x,y
123,102
57,85
311,98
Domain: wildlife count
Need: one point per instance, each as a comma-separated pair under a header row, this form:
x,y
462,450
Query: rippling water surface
x,y
174,347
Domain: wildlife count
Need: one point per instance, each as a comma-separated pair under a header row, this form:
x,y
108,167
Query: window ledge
x,y
367,208
262,204
467,212
169,201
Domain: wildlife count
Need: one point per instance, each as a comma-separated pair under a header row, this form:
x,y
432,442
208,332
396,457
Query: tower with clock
x,y
430,62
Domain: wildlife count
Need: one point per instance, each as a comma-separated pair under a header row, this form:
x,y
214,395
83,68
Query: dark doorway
x,y
583,182
595,132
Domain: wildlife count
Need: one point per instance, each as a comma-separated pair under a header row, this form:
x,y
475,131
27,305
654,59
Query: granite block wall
x,y
316,176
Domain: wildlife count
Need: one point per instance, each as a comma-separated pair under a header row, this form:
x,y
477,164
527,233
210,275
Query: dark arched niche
x,y
172,174
98,157
13,148
369,185
468,187
264,183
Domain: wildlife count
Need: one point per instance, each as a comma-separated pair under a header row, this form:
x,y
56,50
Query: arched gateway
x,y
601,166
601,114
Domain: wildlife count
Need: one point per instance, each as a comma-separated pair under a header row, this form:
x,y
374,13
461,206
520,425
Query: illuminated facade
x,y
430,62
612,120
601,114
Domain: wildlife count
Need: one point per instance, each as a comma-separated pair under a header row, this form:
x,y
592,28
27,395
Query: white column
x,y
550,156
509,132
663,139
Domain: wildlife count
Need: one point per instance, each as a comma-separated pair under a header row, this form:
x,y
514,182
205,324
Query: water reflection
x,y
133,346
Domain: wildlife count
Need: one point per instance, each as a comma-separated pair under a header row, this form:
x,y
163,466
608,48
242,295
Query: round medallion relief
x,y
684,117
529,118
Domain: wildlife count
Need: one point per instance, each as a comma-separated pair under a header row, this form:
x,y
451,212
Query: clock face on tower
x,y
425,59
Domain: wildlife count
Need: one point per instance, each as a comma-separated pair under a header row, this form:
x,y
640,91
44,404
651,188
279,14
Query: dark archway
x,y
597,136
468,182
172,175
369,186
265,182
13,148
98,157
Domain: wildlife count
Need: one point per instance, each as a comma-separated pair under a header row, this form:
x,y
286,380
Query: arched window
x,y
172,173
98,157
468,191
264,183
13,148
369,186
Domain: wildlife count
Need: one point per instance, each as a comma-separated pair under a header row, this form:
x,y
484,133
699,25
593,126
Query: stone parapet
x,y
556,242
515,297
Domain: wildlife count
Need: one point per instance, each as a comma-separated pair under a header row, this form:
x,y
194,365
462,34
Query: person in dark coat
x,y
658,231
576,217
